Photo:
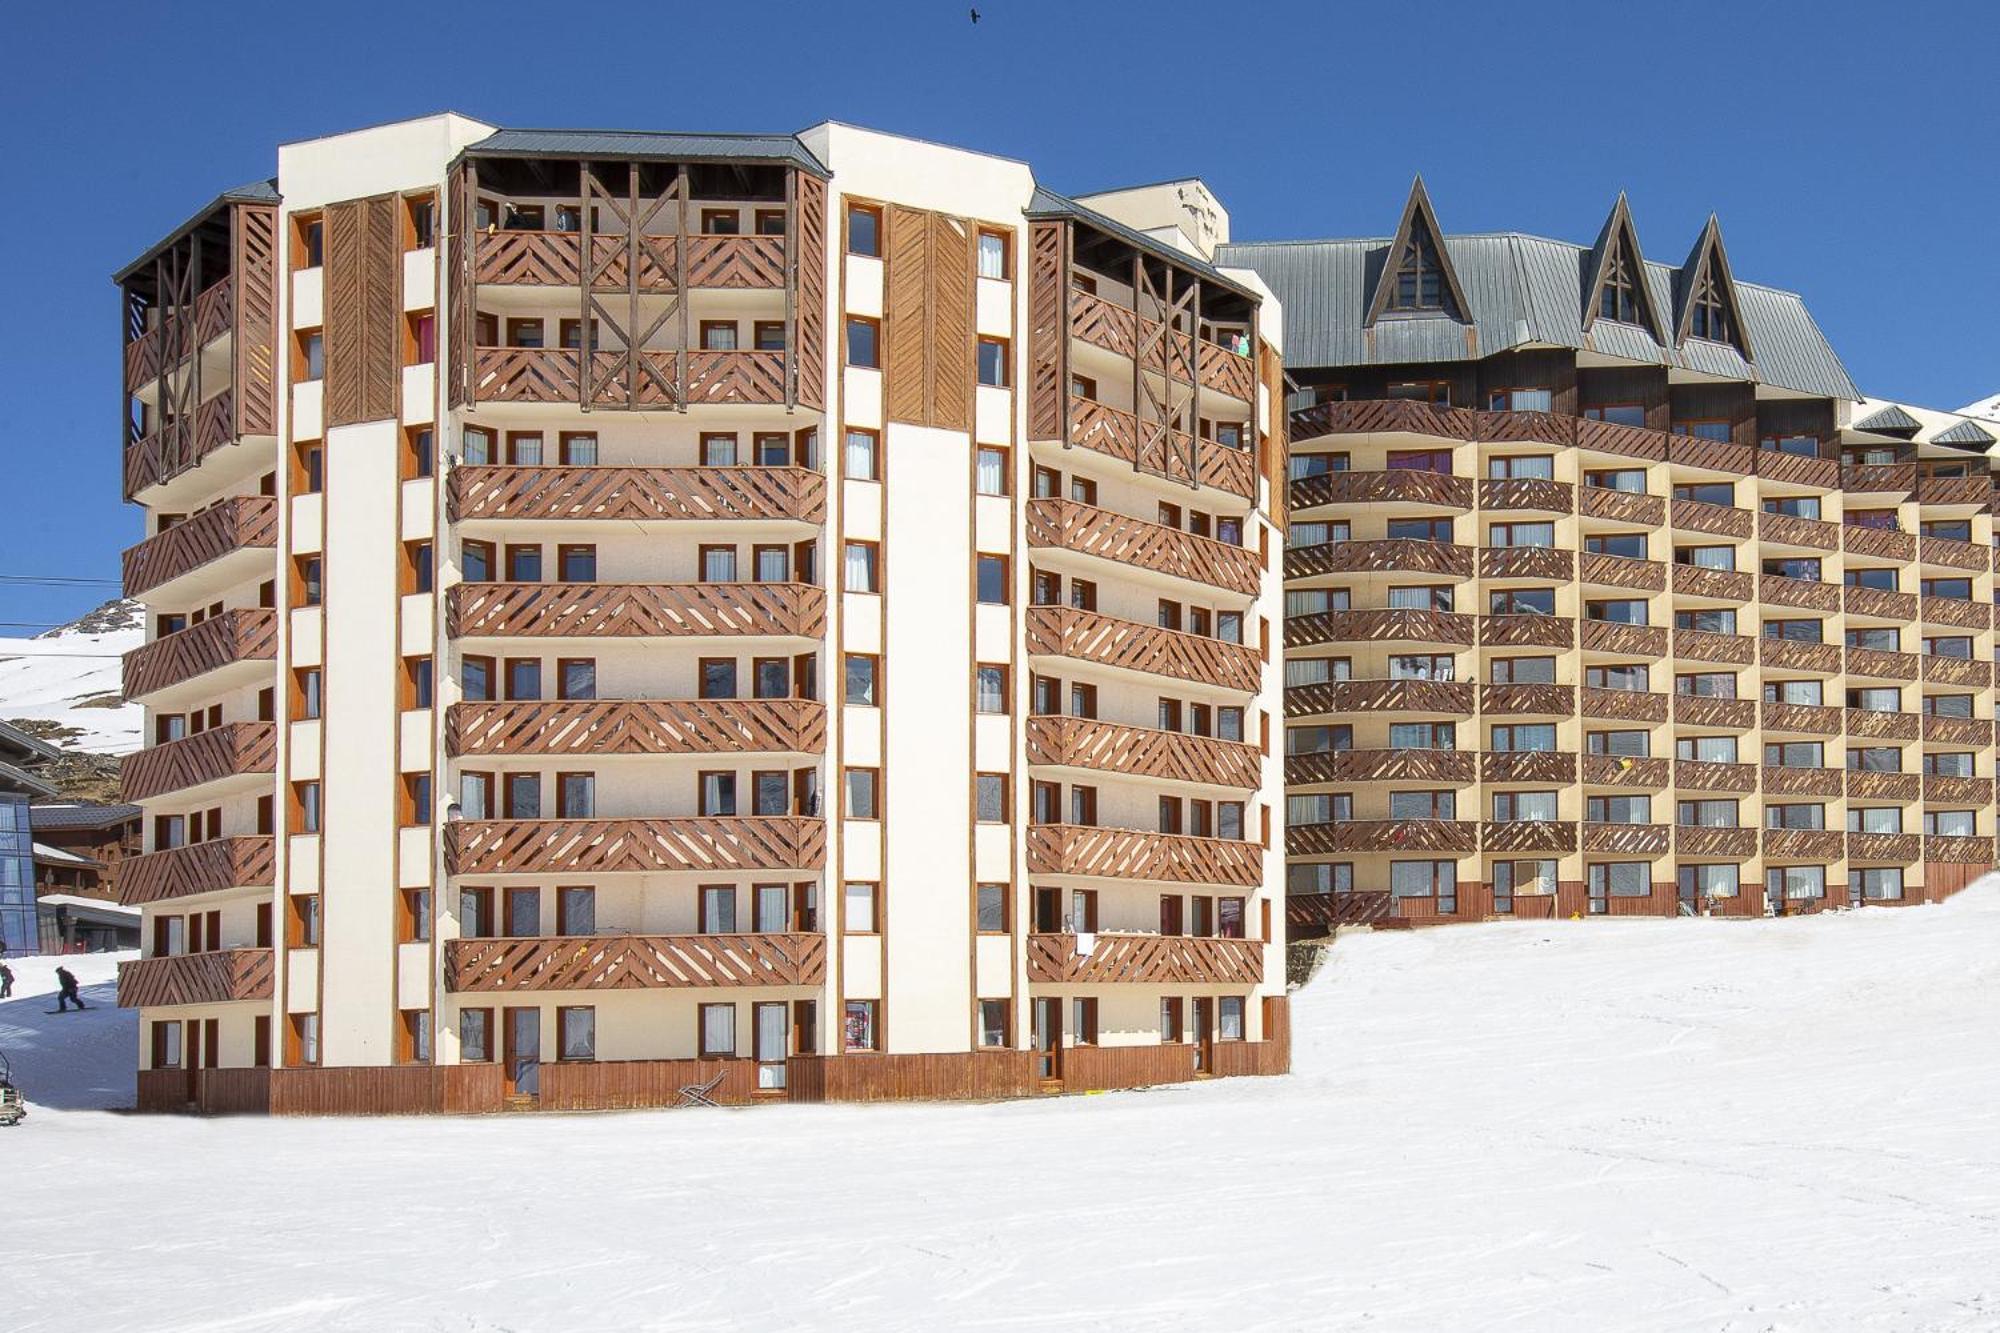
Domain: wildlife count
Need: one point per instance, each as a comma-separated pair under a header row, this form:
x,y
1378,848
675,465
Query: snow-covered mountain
x,y
68,677
1988,407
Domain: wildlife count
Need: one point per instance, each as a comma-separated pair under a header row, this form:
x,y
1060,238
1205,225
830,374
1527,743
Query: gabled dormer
x,y
1615,281
1705,295
1417,278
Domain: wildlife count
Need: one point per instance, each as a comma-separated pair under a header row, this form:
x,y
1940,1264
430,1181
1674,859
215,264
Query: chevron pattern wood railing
x,y
1115,853
238,523
1627,839
1617,571
1386,624
1549,766
1145,959
1803,719
554,259
1527,631
1799,655
1712,520
1123,539
1861,785
1728,649
1797,469
530,375
1885,479
202,867
1805,844
1781,780
1880,665
636,726
1372,416
1943,788
1904,848
1382,835
635,610
1613,506
243,635
1702,840
1973,731
1951,553
1529,493
1976,491
1625,770
1948,671
1882,543
1404,765
1726,585
1393,555
1118,330
1699,775
1527,562
1379,696
1171,756
1515,700
1527,835
637,493
1115,433
1399,486
1892,726
1958,850
1779,590
1608,437
196,978
1788,530
172,450
1957,612
227,751
608,846
1879,603
1623,705
736,377
633,962
1701,710
1063,631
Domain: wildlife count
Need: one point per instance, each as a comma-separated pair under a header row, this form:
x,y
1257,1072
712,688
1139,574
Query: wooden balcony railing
x,y
1527,493
666,377
1053,959
1125,540
1726,585
243,635
1625,770
1956,612
1802,719
217,977
1804,844
1782,780
1879,603
639,494
1939,670
1383,624
1527,562
1887,725
635,610
1881,543
1613,506
1063,631
1798,469
1379,696
1114,433
1950,553
1976,491
1700,775
1948,790
1958,850
1116,853
1396,487
231,750
1143,752
1617,571
1401,765
1902,848
1119,330
1880,665
1548,766
1374,416
1528,835
1881,479
1780,590
202,867
1395,555
1727,649
1976,732
633,962
1714,520
239,523
1382,835
555,259
1701,710
1526,631
177,336
1789,530
1799,655
636,726
1863,785
1627,839
1705,455
1702,840
1610,636
1515,700
1624,705
704,843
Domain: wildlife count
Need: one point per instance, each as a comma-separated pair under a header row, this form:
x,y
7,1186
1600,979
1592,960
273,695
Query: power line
x,y
56,581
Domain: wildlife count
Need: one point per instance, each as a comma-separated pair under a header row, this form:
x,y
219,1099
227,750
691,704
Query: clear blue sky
x,y
1851,152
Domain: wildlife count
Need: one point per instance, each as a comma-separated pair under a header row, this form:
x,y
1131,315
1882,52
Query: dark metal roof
x,y
645,145
21,745
79,815
256,192
14,779
1523,291
1963,433
1046,203
1889,420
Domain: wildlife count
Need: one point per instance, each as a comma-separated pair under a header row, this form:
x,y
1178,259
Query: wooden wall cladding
x,y
363,334
927,319
255,265
809,227
1048,333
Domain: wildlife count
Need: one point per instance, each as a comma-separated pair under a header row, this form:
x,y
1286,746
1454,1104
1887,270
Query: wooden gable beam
x,y
1418,213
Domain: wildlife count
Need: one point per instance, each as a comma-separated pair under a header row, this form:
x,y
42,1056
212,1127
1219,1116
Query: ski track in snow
x,y
1759,1127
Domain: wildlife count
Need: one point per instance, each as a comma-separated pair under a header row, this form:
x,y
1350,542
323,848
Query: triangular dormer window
x,y
1709,308
1416,276
1615,278
1619,299
1708,316
1419,276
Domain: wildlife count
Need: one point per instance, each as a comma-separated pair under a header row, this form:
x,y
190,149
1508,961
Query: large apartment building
x,y
1608,593
784,616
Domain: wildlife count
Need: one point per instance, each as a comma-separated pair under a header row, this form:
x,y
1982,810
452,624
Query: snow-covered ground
x,y
1643,1125
71,676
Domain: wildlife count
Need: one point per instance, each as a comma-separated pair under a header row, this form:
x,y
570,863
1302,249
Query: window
x,y
305,693
862,789
1617,611
718,335
1523,737
1083,1020
1706,749
859,908
1522,602
312,355
1875,819
1706,814
718,909
1521,534
475,1035
993,363
1423,735
306,581
1521,400
862,674
1950,823
1707,881
991,792
1524,806
1794,754
309,470
770,222
1618,879
416,799
993,1023
864,230
990,689
1537,467
524,564
717,678
1515,671
576,796
861,566
858,1025
1615,677
990,471
1419,276
1619,810
992,585
1711,429
1795,883
1323,877
992,909
576,678
1875,883
718,793
770,564
993,255
1422,805
1793,506
305,807
1522,879
864,338
418,567
859,457
718,1030
576,910
576,563
1426,879
1630,546
718,564
721,222
718,449
1707,622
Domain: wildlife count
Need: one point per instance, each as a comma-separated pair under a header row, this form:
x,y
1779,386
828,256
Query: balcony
x,y
1958,850
246,638
236,749
1938,670
1950,553
1897,479
712,844
1804,844
1887,725
635,610
1879,665
1527,562
1134,542
243,526
1802,719
1114,959
1120,331
1869,786
1542,766
555,259
1779,590
1526,631
1722,585
1799,655
1879,604
1901,848
1957,612
1702,710
1116,434
1628,839
1942,789
600,727
1528,835
1613,506
1974,491
217,977
1530,494
1371,416
1700,775
202,867
1318,698
520,966
1695,453
1880,543
1624,705
1782,780
1610,636
647,379
1807,533
1713,520
1447,767
1394,555
1143,752
1128,645
1696,645
1401,486
1975,732
636,494
1382,835
1616,571
1625,770
1116,853
1702,840
1528,700
1798,469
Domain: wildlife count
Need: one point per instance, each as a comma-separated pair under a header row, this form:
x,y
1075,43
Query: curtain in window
x,y
579,1034
860,575
992,473
718,1029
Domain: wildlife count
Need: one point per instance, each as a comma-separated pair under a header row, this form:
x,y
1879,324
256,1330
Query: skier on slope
x,y
6,982
66,980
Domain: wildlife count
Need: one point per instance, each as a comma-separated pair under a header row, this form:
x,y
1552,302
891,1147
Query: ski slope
x,y
1632,1125
71,676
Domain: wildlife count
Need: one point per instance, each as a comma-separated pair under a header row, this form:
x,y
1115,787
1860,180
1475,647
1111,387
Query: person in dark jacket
x,y
67,995
6,982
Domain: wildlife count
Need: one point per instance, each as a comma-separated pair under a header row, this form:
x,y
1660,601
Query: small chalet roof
x,y
1964,433
255,192
56,856
1046,203
16,744
647,145
1891,420
14,778
65,815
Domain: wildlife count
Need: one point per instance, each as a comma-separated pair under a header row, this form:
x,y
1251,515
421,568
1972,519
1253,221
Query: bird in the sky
x,y
974,13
